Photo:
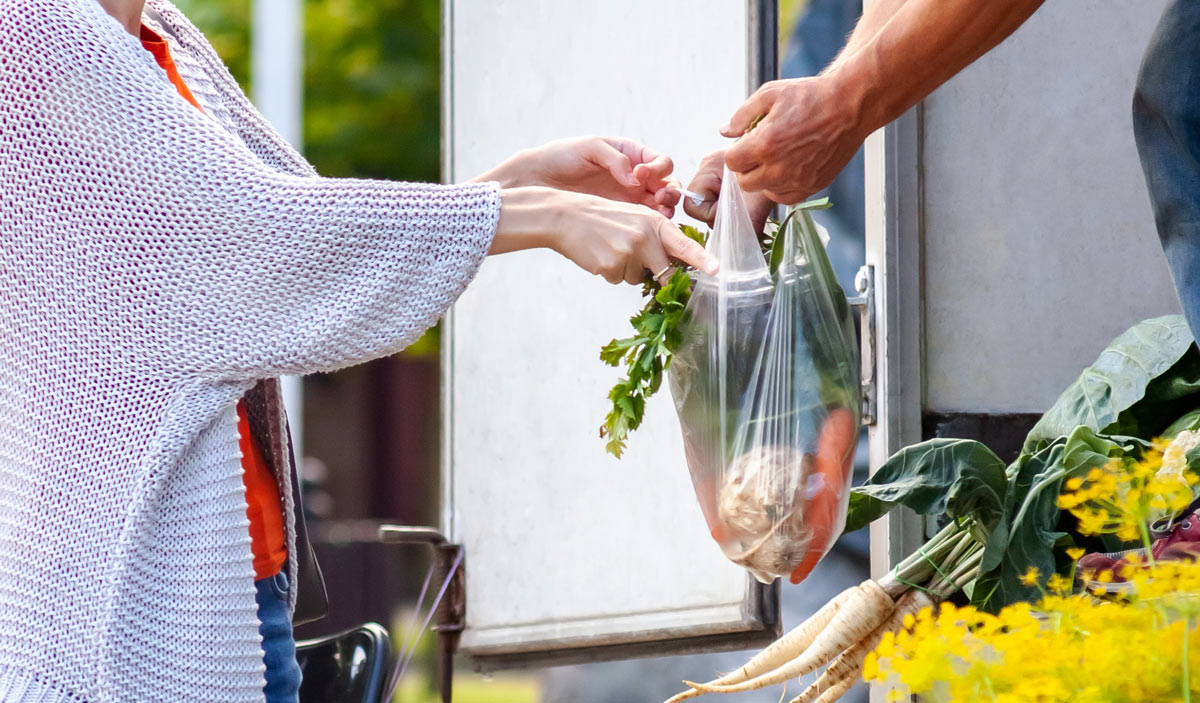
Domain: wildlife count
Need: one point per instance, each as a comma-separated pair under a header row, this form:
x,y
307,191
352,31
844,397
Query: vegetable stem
x,y
1187,679
917,567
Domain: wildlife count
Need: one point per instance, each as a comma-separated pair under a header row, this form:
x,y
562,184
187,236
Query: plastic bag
x,y
766,386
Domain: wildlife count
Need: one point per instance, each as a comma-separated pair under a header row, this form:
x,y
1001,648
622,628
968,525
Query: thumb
x,y
756,106
618,164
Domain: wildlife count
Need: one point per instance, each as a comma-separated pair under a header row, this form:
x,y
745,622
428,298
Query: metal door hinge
x,y
864,302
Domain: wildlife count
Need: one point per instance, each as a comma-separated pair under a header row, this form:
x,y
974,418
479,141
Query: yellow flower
x,y
1058,583
1064,649
1030,577
1076,553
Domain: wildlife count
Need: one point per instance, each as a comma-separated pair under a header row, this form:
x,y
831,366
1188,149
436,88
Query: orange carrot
x,y
835,450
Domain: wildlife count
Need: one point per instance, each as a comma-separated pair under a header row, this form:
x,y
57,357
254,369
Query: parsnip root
x,y
865,609
843,672
781,650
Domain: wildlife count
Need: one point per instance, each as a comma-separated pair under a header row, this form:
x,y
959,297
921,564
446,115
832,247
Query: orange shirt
x,y
263,505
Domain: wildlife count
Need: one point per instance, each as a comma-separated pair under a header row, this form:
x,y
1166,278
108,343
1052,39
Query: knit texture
x,y
154,262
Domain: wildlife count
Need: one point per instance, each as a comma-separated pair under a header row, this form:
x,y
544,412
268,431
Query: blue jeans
x,y
279,645
1166,124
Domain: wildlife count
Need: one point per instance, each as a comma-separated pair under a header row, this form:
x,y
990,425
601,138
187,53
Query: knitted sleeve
x,y
160,238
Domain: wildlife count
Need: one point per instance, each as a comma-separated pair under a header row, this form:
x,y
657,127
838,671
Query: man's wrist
x,y
852,83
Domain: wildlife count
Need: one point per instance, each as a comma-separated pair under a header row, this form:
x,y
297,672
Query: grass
x,y
508,687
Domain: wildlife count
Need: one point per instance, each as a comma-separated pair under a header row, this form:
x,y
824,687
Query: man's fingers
x,y
681,247
759,206
756,106
754,179
785,197
705,211
745,155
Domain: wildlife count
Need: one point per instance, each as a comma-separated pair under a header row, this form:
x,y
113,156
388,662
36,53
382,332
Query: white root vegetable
x,y
781,650
836,691
843,672
864,610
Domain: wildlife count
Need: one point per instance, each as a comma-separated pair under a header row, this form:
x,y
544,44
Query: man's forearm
x,y
875,16
903,50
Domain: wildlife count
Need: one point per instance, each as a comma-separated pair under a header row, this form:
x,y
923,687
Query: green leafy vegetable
x,y
1117,380
958,476
1145,384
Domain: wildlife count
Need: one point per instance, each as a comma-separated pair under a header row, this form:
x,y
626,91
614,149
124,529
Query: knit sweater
x,y
154,262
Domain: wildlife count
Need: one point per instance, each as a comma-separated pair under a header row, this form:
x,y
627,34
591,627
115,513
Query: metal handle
x,y
864,302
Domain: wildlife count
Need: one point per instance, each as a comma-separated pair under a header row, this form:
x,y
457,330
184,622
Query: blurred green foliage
x,y
372,81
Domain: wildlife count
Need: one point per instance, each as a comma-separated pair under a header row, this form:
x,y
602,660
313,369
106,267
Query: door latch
x,y
864,302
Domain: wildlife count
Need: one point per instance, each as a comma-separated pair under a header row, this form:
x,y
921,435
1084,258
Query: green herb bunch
x,y
647,354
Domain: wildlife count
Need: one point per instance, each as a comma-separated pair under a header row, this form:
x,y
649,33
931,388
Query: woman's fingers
x,y
655,170
683,248
655,260
602,153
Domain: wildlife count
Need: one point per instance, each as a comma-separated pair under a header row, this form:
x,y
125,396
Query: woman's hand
x,y
619,241
707,184
610,167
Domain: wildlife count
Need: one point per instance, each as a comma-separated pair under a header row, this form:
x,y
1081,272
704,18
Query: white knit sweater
x,y
154,262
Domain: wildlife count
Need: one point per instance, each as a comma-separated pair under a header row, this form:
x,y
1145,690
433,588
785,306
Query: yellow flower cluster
x,y
1140,643
1124,496
1065,649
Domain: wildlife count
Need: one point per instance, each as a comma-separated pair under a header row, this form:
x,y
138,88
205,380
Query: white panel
x,y
1039,240
566,545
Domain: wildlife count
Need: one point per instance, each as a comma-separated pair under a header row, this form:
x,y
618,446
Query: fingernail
x,y
725,129
711,266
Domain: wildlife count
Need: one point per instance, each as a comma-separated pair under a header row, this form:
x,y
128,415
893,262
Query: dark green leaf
x,y
958,476
1189,421
1011,549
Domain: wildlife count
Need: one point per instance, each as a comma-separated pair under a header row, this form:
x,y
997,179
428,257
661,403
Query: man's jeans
x,y
1166,124
279,644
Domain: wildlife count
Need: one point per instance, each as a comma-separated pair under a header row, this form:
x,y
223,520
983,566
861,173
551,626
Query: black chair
x,y
347,667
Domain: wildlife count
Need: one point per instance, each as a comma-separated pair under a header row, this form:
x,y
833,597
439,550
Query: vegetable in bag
x,y
765,382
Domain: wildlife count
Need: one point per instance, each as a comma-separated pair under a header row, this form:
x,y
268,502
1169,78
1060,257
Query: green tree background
x,y
372,82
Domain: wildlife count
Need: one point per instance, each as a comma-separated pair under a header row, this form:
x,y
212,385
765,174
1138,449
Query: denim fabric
x,y
279,646
1166,124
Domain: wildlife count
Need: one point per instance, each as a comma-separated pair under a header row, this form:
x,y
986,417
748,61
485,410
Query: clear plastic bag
x,y
766,386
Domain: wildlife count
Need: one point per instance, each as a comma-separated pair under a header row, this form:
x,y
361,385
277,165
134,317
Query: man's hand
x,y
807,134
707,183
609,167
